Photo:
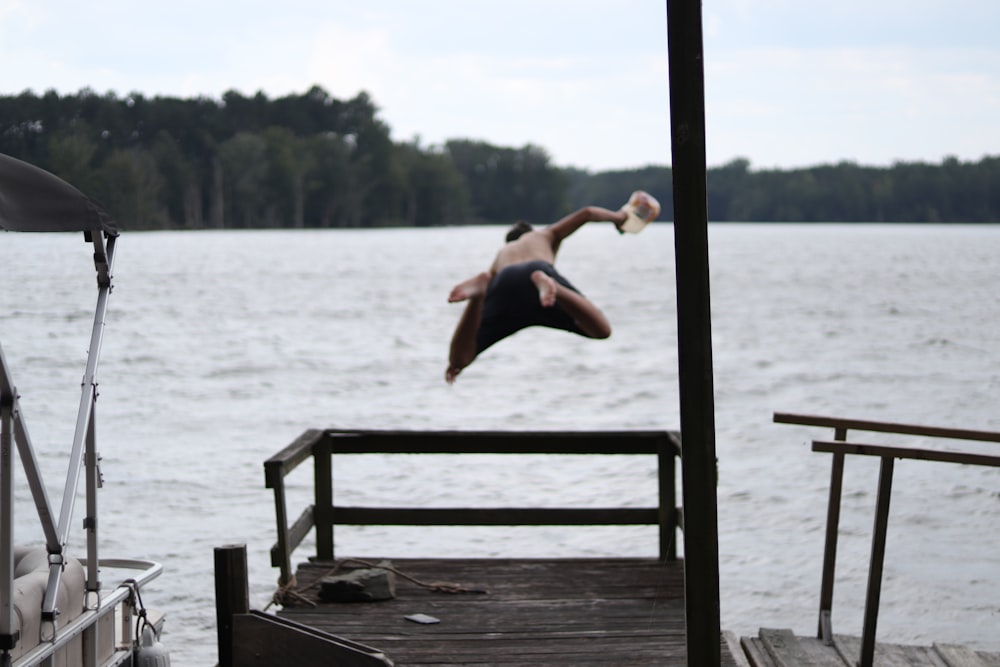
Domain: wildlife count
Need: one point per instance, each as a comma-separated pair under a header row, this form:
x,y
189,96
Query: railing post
x,y
323,470
878,558
277,482
825,630
666,472
232,595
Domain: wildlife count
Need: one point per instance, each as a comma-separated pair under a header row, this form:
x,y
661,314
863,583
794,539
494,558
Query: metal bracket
x,y
97,458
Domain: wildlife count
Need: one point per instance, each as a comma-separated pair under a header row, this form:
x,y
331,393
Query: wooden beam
x,y
290,457
232,595
694,330
496,442
505,516
887,427
969,458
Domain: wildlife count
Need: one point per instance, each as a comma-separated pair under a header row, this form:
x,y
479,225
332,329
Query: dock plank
x,y
787,650
959,656
756,653
889,655
991,659
781,648
535,612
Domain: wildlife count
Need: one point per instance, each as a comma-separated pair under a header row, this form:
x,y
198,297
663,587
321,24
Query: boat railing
x,y
324,513
839,447
123,606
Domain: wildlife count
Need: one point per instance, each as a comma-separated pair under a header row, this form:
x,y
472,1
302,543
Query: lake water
x,y
222,347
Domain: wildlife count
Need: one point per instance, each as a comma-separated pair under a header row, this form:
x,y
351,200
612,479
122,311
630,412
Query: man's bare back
x,y
534,245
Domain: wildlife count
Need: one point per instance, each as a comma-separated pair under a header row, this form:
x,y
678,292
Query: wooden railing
x,y
839,447
322,445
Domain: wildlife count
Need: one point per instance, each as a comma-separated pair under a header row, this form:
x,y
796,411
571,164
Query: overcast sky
x,y
788,82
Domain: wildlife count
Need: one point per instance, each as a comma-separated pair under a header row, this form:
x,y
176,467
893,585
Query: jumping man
x,y
522,288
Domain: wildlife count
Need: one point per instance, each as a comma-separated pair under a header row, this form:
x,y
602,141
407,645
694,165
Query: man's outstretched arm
x,y
562,228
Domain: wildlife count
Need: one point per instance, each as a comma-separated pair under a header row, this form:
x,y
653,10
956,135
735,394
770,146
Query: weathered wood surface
x,y
781,648
535,612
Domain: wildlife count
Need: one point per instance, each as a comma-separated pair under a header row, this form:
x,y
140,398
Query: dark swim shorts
x,y
512,304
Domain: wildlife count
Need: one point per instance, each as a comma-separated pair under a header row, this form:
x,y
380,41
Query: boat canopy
x,y
34,200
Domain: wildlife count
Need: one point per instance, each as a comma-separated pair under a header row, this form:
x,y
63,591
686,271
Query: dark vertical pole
x,y
232,595
694,332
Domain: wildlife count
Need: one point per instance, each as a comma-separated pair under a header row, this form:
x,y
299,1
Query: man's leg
x,y
588,317
463,342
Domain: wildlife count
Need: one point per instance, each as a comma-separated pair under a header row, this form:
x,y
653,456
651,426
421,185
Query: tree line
x,y
312,160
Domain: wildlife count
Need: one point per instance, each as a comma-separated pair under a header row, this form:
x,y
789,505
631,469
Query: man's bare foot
x,y
467,289
546,288
451,374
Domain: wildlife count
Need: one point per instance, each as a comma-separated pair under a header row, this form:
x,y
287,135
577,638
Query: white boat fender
x,y
151,653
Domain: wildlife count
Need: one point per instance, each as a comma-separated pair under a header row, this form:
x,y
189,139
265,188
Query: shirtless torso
x,y
533,245
540,245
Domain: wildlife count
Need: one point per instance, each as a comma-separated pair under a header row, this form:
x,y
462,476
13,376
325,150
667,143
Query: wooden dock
x,y
611,612
554,612
551,612
781,648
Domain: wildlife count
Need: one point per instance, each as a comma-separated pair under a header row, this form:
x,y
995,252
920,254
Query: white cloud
x,y
768,103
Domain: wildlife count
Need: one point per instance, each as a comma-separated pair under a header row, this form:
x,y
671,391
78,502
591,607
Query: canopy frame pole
x,y
8,636
103,263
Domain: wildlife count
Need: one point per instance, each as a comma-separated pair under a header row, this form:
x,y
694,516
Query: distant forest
x,y
312,161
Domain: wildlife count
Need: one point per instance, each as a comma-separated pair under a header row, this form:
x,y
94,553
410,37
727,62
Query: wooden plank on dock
x,y
791,651
959,656
732,644
781,648
756,653
535,612
888,655
990,659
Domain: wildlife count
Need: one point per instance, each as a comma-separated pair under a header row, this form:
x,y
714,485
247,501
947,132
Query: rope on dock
x,y
291,593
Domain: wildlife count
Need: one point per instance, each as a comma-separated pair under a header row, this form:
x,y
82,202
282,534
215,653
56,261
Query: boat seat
x,y
31,575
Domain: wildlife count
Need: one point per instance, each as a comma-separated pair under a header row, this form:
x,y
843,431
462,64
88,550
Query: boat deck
x,y
533,612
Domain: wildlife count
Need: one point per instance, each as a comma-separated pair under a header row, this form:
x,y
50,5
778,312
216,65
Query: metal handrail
x,y
839,447
321,445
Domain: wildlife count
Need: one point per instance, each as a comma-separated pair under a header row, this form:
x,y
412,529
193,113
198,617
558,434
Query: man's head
x,y
520,228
